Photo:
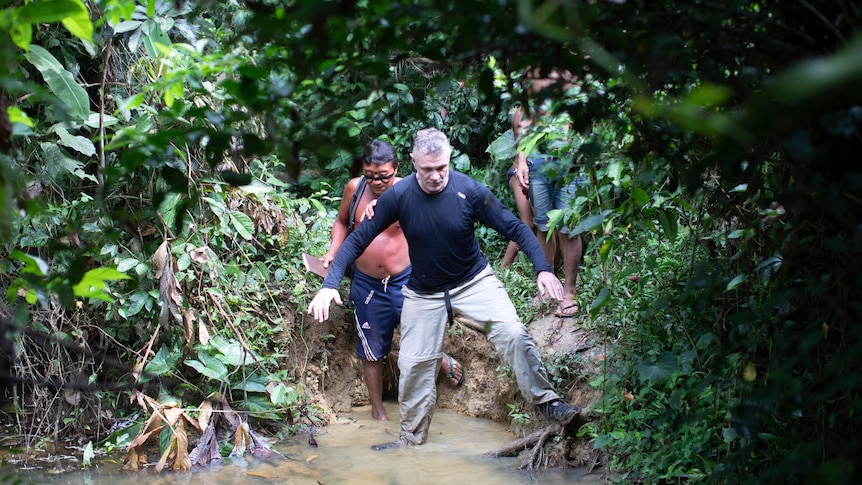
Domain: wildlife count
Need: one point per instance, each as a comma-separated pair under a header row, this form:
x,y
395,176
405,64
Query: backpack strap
x,y
353,203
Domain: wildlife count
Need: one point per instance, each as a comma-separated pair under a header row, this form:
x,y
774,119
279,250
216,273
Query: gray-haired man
x,y
437,209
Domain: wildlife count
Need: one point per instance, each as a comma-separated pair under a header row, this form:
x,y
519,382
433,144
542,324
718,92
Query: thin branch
x,y
823,19
102,162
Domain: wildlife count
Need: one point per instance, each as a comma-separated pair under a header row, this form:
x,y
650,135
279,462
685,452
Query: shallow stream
x,y
453,454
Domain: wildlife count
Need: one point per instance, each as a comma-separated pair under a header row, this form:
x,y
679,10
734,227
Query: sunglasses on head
x,y
382,178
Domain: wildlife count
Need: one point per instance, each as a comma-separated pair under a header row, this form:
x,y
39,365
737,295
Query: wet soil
x,y
487,391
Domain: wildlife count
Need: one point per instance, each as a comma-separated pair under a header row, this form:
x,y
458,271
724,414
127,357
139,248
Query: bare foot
x,y
452,369
568,308
379,414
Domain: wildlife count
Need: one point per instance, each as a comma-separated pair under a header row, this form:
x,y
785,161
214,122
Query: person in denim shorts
x,y
551,186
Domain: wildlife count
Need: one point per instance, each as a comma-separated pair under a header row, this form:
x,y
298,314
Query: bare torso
x,y
387,254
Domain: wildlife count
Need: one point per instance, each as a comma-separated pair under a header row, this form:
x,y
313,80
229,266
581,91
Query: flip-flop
x,y
451,373
562,313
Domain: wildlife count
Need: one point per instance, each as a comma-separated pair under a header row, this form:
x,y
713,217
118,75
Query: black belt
x,y
449,313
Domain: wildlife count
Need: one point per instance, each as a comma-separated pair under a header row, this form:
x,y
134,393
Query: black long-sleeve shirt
x,y
440,233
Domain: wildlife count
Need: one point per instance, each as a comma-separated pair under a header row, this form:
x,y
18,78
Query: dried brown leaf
x,y
162,257
143,437
138,369
207,450
182,462
173,414
170,296
189,318
130,462
203,333
240,440
206,412
193,422
200,255
72,396
229,414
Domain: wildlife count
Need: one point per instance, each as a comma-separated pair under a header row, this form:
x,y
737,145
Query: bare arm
x,y
519,121
339,227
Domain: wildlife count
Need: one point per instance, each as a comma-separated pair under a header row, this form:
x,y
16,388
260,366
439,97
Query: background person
x,y
525,213
550,184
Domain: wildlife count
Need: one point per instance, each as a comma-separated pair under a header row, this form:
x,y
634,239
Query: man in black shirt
x,y
437,209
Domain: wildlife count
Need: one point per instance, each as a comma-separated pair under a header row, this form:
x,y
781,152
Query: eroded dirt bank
x,y
572,354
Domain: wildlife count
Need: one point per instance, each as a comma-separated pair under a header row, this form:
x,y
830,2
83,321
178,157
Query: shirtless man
x,y
379,274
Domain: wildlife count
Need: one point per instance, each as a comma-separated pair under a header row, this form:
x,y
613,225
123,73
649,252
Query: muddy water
x,y
453,454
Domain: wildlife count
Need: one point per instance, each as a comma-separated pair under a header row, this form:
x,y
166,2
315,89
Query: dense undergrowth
x,y
162,167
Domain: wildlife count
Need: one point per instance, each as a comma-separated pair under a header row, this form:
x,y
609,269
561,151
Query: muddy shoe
x,y
559,410
399,443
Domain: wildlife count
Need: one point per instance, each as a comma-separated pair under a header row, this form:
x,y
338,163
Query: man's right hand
x,y
319,306
326,260
522,174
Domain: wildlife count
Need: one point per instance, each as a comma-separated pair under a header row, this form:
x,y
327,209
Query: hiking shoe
x,y
559,410
399,443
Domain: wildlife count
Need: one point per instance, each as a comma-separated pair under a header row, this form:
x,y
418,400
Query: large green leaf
x,y
32,264
660,370
22,34
48,11
76,142
93,285
80,25
503,147
16,115
56,161
61,82
164,362
209,366
243,224
153,36
252,383
590,222
669,224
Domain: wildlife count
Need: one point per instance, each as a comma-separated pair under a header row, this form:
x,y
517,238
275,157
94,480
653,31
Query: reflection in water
x,y
453,454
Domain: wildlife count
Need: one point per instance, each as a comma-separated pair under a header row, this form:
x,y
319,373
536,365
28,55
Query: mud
x,y
487,390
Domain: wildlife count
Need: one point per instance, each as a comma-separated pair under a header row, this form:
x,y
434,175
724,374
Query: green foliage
x,y
19,21
518,416
720,216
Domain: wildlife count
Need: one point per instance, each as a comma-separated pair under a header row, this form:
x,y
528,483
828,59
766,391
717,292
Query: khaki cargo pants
x,y
423,326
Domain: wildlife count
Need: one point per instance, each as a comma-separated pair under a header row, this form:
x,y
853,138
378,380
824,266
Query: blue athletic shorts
x,y
377,308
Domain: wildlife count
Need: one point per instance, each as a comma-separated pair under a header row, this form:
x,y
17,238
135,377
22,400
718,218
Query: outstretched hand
x,y
319,306
550,286
368,213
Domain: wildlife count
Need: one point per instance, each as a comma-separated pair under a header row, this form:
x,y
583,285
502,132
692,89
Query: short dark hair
x,y
380,152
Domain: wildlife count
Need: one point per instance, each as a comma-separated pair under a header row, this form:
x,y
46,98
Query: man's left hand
x,y
550,286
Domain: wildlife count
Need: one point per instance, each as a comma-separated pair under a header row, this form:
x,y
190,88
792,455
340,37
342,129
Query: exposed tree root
x,y
537,437
543,444
533,462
